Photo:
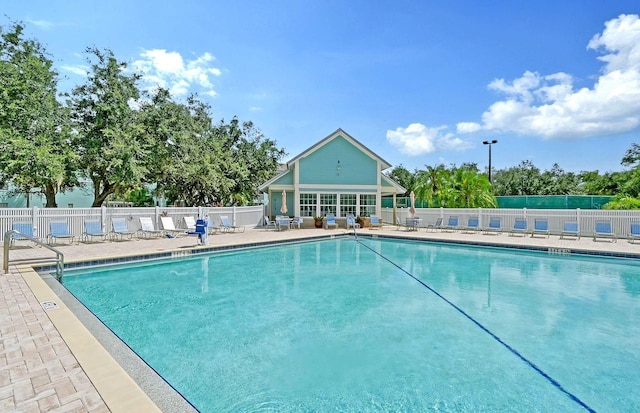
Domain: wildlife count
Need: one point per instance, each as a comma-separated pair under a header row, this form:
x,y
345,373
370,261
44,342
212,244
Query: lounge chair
x,y
25,228
147,229
635,232
120,229
540,226
212,227
269,224
519,227
190,223
351,222
570,229
436,225
60,231
296,222
169,227
604,230
451,225
330,221
93,229
472,224
227,225
494,227
376,223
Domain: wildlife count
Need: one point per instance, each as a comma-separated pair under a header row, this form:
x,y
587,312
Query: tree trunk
x,y
50,194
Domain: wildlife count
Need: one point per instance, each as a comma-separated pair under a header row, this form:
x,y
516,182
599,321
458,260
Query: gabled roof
x,y
272,180
354,141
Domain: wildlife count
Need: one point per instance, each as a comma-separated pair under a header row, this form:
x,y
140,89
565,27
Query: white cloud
x,y
550,107
468,127
43,24
80,70
170,70
418,139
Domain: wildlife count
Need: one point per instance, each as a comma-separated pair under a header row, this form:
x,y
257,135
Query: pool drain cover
x,y
49,305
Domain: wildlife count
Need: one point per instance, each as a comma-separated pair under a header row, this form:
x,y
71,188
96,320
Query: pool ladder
x,y
8,239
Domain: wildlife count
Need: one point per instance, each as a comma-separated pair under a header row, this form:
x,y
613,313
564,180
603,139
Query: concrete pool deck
x,y
50,361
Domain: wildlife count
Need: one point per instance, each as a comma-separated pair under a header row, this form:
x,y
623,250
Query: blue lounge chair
x,y
452,224
635,232
330,221
120,229
540,226
147,229
472,224
227,225
494,227
351,222
603,230
60,231
376,223
24,228
93,229
519,226
570,229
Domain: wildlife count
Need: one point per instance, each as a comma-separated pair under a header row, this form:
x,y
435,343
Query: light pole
x,y
490,143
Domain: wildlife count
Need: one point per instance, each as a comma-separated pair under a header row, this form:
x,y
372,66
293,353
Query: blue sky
x,y
418,82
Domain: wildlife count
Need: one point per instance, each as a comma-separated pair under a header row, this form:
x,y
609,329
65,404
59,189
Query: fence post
x,y
34,220
442,212
103,218
157,217
234,215
524,212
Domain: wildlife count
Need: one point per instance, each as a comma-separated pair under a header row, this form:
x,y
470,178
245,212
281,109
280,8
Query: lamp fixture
x,y
338,168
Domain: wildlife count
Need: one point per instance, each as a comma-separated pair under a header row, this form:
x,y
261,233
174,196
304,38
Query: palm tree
x,y
430,182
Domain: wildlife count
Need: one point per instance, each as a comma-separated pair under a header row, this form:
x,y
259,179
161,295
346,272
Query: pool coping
x,y
144,385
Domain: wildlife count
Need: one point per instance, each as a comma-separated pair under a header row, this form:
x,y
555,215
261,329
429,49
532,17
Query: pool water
x,y
380,325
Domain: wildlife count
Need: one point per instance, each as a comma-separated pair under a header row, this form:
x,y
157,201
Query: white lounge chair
x,y
227,225
170,228
147,229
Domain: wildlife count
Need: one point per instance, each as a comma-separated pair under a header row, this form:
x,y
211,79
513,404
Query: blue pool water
x,y
381,325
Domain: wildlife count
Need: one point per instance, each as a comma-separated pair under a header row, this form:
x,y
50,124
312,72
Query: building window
x,y
328,204
367,204
348,204
308,204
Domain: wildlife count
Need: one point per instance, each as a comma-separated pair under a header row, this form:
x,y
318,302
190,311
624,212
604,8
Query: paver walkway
x,y
38,370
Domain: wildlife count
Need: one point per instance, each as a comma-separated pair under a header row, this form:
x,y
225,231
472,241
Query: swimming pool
x,y
344,325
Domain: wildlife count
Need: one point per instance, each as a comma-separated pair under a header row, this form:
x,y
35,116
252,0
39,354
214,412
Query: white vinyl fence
x,y
620,219
40,218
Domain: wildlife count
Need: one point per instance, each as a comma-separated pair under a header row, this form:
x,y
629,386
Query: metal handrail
x,y
8,239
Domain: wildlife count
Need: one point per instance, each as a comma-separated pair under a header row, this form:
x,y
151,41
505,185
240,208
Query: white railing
x,y
620,219
40,218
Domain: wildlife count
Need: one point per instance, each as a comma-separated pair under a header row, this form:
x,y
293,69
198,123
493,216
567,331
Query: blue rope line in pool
x,y
554,382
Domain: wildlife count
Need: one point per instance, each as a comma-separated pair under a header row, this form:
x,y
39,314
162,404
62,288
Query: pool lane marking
x,y
553,381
